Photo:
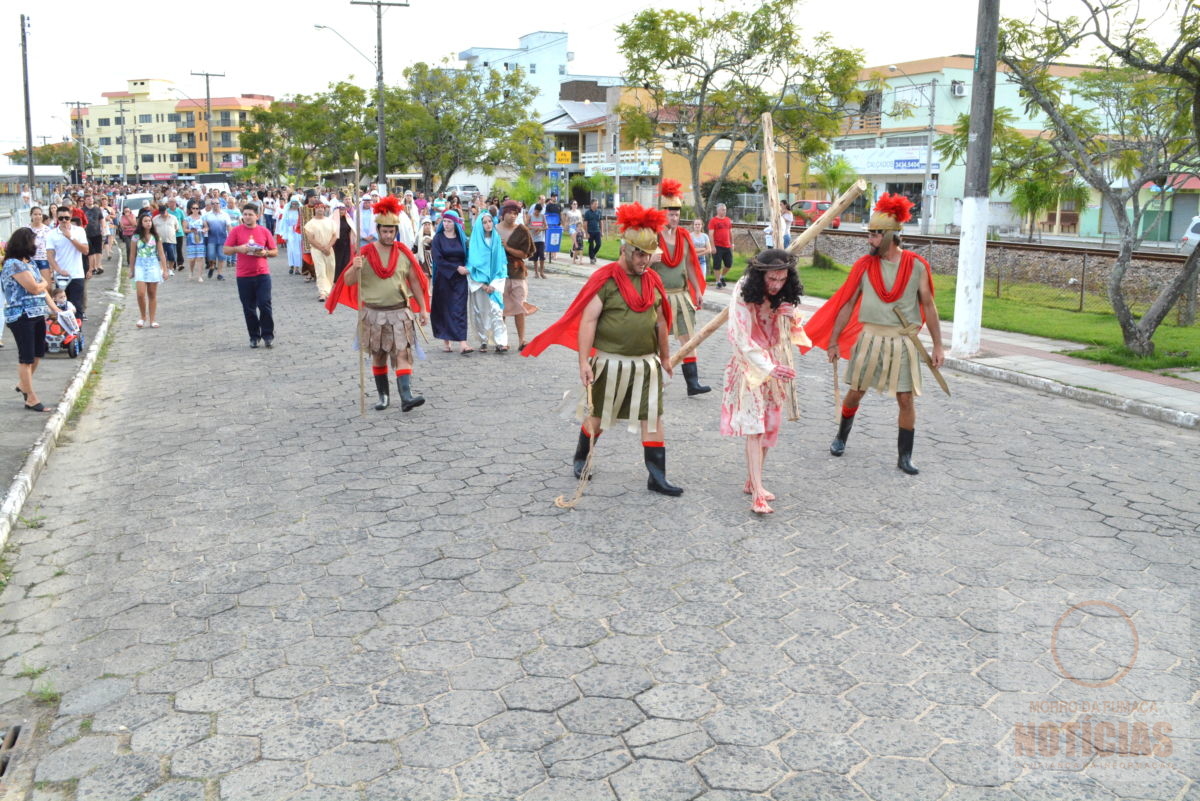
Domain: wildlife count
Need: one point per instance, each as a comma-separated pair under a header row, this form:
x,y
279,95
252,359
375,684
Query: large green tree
x,y
445,120
307,135
1120,129
710,75
59,154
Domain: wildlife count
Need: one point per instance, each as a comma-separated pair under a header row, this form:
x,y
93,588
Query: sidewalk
x,y
1033,362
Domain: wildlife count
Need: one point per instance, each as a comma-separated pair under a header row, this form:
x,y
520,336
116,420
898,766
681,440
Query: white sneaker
x,y
140,323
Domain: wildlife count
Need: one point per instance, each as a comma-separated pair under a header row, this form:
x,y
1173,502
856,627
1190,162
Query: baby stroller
x,y
59,340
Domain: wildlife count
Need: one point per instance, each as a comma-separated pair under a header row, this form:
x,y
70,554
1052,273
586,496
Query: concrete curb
x,y
23,482
1150,411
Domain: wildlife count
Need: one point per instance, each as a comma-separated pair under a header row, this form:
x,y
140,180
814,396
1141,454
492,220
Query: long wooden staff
x,y
362,380
798,243
837,390
561,502
778,228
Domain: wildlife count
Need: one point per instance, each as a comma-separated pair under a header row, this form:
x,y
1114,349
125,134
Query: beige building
x,y
153,131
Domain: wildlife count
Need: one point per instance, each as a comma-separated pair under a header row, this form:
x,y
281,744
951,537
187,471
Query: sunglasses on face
x,y
874,233
64,219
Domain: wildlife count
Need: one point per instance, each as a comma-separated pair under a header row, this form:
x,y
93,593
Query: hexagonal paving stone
x,y
384,723
539,694
125,776
289,682
608,716
975,765
818,713
731,767
521,731
301,739
956,688
821,679
484,674
741,726
817,787
464,707
502,774
887,701
411,784
585,756
829,753
557,661
614,681
655,779
888,737
677,701
888,778
352,763
213,756
264,779
213,695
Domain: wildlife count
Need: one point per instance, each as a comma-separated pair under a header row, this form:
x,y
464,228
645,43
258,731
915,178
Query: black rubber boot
x,y
838,446
582,449
691,376
656,466
384,389
407,399
904,444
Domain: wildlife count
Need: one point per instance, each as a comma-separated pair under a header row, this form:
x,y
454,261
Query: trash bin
x,y
553,238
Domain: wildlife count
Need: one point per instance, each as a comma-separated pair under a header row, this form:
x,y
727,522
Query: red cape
x,y
565,331
697,286
348,295
820,326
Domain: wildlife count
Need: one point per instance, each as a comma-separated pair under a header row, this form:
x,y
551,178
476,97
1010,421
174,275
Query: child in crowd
x,y
577,245
66,313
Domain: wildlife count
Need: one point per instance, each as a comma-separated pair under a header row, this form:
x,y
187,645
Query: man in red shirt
x,y
253,245
721,228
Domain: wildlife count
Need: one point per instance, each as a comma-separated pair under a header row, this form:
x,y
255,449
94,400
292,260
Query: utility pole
x,y
381,144
78,104
121,104
137,165
927,195
972,247
28,118
208,113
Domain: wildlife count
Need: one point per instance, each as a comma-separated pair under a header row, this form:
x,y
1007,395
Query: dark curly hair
x,y
754,285
22,245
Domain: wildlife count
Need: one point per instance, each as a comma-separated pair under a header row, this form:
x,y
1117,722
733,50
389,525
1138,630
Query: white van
x,y
464,191
136,201
1191,236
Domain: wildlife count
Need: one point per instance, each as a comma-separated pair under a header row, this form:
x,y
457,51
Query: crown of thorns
x,y
773,259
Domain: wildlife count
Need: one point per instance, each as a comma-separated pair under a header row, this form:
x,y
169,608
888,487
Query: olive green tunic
x,y
675,282
876,352
622,332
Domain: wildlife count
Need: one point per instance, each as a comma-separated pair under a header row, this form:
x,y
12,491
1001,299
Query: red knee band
x,y
404,371
587,433
849,412
689,360
659,444
378,370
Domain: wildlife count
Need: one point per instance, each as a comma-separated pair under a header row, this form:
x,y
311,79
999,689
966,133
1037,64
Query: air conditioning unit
x,y
958,88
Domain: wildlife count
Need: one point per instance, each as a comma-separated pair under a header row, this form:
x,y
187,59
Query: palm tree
x,y
834,175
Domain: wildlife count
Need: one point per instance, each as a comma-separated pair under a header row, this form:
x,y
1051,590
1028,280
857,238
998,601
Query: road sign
x,y
757,186
554,175
563,157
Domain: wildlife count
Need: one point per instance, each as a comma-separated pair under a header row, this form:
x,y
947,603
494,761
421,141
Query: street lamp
x,y
927,193
381,148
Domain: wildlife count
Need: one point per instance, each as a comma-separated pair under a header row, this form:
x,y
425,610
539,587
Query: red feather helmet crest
x,y
892,211
671,192
640,226
387,211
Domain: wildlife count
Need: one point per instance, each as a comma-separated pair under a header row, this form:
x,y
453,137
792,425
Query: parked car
x,y
1191,237
465,192
806,211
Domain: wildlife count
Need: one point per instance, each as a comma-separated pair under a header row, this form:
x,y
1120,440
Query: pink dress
x,y
753,401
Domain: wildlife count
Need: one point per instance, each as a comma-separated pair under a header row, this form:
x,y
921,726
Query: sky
x,y
79,49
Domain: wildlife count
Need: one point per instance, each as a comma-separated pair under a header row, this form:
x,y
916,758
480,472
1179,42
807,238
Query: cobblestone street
x,y
244,590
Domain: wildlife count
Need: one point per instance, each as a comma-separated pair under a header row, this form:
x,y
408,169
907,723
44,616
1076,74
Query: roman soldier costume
x,y
679,268
628,348
883,352
389,291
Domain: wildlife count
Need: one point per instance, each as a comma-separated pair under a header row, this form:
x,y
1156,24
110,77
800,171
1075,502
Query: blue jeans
x,y
169,252
255,294
212,248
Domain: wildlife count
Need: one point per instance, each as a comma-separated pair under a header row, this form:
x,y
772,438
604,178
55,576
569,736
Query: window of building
x,y
173,117
854,144
119,159
147,158
105,140
562,69
176,157
118,120
146,139
174,137
907,140
103,122
532,69
485,63
145,118
242,116
106,160
120,140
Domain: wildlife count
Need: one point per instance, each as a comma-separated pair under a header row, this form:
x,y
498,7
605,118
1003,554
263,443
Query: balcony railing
x,y
863,123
